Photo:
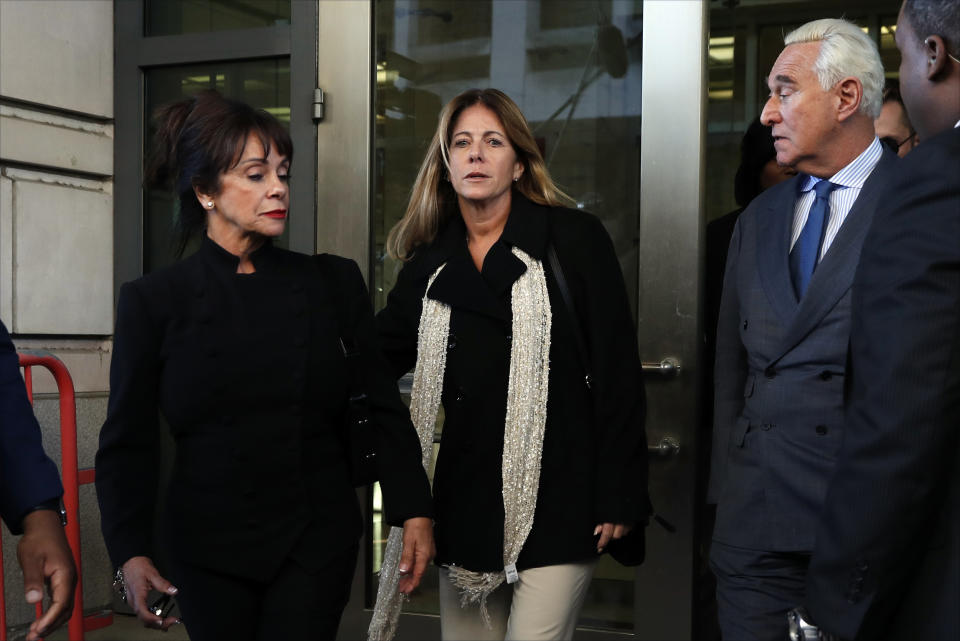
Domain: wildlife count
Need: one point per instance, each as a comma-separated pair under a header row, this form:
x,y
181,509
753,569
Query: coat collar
x,y
835,273
460,285
264,257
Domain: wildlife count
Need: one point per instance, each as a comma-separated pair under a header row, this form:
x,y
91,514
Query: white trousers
x,y
542,606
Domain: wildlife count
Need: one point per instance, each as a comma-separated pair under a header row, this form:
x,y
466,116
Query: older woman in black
x,y
239,347
537,472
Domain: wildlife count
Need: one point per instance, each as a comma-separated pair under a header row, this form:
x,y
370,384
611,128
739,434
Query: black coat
x,y
887,560
594,462
249,374
28,477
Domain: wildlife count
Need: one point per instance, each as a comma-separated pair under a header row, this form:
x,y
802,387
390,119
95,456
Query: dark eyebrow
x,y
784,80
486,133
261,161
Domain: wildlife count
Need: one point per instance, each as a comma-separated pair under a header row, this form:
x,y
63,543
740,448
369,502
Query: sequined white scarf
x,y
522,438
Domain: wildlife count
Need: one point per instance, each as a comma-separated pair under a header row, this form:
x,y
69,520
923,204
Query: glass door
x,y
259,51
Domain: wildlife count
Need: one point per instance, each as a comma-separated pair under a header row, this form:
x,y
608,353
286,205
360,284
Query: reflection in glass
x,y
171,17
265,84
889,53
573,67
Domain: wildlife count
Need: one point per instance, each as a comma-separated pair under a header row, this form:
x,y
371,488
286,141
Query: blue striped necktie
x,y
803,257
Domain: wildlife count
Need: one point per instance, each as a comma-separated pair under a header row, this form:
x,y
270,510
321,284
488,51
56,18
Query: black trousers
x,y
297,603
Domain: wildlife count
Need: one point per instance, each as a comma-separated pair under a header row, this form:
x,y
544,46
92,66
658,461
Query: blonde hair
x,y
845,50
433,200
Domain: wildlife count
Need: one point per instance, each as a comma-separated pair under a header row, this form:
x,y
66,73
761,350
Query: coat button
x,y
862,565
770,372
826,375
451,341
821,429
766,426
745,324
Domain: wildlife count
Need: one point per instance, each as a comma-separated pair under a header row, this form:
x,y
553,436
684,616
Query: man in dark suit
x,y
887,559
30,494
784,326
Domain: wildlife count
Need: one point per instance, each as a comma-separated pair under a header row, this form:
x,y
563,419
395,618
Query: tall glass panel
x,y
574,68
265,84
172,17
889,53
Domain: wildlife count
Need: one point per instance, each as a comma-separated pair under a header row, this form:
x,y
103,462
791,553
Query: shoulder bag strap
x,y
571,311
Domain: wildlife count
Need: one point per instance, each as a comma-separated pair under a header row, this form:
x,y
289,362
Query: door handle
x,y
667,368
668,447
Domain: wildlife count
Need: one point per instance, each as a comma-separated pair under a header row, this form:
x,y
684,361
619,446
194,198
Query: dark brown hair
x,y
197,140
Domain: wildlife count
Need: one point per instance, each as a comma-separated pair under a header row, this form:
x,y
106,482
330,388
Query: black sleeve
x,y
27,476
398,322
127,461
618,391
403,481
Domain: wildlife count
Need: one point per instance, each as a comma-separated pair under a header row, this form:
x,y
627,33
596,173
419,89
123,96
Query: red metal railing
x,y
73,478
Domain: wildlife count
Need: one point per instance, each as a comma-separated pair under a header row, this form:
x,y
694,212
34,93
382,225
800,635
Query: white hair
x,y
845,50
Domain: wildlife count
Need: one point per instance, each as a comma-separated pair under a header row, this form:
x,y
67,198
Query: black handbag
x,y
359,429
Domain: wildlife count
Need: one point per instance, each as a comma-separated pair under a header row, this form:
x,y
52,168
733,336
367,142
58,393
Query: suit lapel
x,y
834,275
773,249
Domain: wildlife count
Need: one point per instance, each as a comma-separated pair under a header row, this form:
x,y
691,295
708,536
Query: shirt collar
x,y
854,174
221,259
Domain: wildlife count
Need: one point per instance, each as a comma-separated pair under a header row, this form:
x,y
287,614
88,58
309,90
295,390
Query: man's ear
x,y
936,52
849,92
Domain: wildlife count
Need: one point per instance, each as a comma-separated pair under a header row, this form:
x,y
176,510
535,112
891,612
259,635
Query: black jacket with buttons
x,y
248,371
594,462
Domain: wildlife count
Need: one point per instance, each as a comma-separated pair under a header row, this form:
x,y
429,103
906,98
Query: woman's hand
x,y
139,576
418,551
608,531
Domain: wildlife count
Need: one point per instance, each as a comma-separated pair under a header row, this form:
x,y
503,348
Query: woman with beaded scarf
x,y
539,470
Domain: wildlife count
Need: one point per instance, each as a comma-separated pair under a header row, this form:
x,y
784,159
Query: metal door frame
x,y
672,168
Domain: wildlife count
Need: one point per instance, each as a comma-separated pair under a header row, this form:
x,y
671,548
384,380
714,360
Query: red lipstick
x,y
278,214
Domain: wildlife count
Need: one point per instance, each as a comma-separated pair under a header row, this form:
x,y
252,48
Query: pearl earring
x,y
209,204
